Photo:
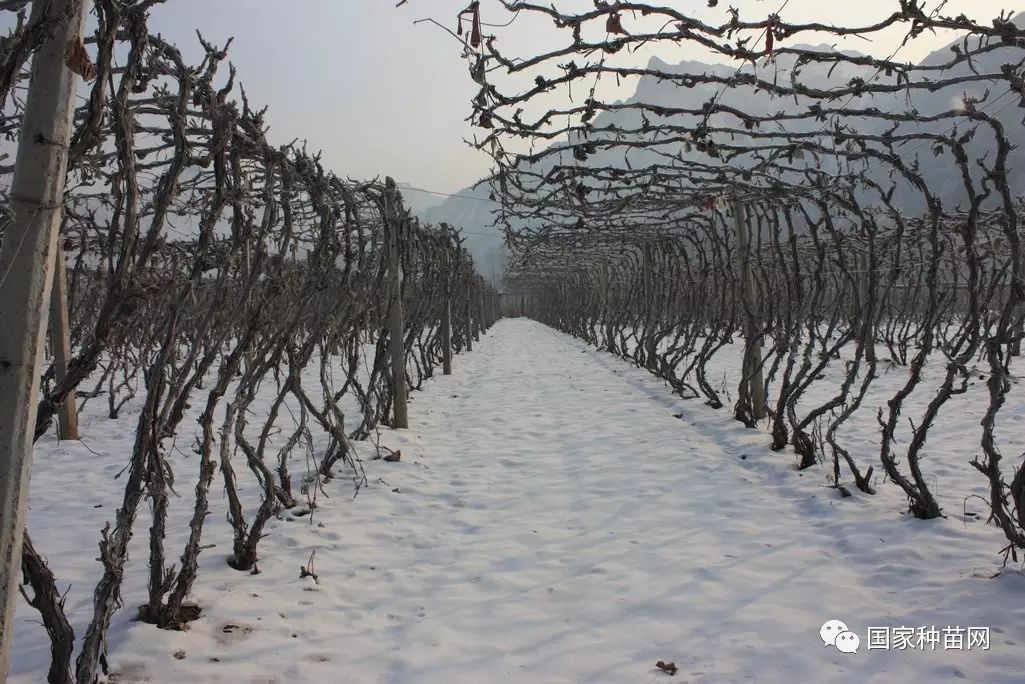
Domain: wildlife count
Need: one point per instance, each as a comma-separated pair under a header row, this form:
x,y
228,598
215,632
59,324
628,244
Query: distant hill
x,y
470,211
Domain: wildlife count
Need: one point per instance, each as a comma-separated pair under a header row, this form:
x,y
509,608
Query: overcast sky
x,y
380,95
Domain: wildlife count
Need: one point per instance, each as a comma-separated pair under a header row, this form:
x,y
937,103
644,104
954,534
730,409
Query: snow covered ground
x,y
552,521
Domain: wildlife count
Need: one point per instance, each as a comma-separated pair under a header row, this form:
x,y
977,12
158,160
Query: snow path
x,y
554,522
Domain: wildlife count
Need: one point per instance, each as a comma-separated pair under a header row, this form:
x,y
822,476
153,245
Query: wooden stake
x,y
479,303
396,332
26,276
647,287
469,315
60,343
866,307
446,320
446,337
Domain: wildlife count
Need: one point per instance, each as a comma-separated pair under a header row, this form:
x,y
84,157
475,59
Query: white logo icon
x,y
830,630
835,633
847,642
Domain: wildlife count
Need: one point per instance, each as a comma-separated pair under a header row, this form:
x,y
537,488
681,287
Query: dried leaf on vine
x,y
615,25
473,10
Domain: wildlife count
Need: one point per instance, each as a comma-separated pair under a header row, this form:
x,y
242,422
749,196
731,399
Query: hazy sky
x,y
380,95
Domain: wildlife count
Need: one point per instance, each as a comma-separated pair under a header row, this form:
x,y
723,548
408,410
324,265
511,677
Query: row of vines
x,y
837,215
207,268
